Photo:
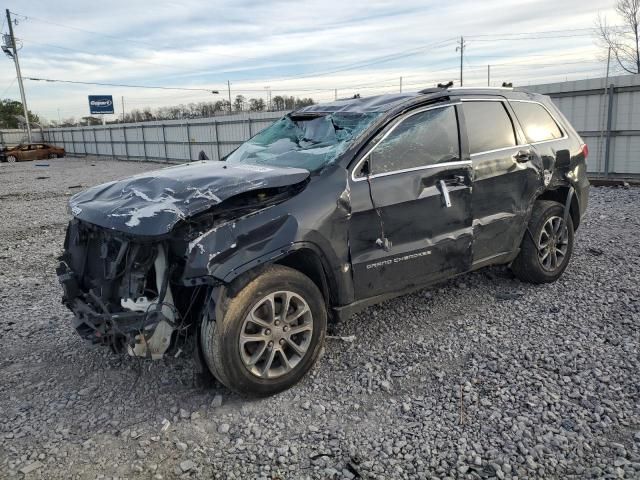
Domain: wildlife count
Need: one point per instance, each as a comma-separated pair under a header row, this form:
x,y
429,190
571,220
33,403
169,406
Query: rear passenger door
x,y
27,152
41,151
507,176
411,214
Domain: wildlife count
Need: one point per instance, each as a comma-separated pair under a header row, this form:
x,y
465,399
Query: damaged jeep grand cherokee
x,y
332,208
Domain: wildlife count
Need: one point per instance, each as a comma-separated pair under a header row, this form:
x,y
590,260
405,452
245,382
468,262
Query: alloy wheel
x,y
276,334
553,244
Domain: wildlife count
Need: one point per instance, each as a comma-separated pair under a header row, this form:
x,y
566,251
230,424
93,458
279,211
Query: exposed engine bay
x,y
129,291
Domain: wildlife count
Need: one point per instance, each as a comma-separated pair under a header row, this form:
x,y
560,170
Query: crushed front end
x,y
140,254
119,289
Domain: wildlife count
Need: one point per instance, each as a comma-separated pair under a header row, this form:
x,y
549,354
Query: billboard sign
x,y
100,104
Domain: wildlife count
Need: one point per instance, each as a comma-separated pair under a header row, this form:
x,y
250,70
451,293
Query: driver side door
x,y
411,219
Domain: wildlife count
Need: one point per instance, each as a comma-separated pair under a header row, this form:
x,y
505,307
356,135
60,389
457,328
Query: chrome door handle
x,y
455,180
445,193
523,156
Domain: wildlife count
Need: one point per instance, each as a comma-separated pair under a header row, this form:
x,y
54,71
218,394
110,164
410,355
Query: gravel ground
x,y
481,377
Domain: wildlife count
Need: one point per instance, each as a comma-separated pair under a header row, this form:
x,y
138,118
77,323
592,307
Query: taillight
x,y
585,150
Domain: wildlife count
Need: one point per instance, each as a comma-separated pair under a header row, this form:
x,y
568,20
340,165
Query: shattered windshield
x,y
305,141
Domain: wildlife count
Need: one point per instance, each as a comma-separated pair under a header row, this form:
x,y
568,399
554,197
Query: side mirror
x,y
563,159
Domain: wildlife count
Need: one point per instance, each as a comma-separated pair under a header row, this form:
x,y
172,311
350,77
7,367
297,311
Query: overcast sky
x,y
302,48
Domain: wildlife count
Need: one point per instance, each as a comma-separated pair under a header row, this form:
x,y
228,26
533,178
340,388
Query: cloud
x,y
302,47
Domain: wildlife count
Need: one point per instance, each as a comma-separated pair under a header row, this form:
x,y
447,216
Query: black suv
x,y
332,208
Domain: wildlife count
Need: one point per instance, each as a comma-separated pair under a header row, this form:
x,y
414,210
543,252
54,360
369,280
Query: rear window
x,y
538,125
489,126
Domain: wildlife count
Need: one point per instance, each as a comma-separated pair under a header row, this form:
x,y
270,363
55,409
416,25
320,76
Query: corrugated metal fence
x,y
169,140
605,113
11,137
607,116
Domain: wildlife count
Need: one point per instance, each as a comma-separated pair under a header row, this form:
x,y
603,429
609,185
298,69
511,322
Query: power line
x,y
374,61
119,85
119,38
541,64
97,54
542,32
355,65
551,37
10,85
553,54
550,33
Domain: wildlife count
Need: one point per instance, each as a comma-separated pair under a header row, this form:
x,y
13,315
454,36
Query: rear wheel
x,y
53,155
269,334
547,246
11,159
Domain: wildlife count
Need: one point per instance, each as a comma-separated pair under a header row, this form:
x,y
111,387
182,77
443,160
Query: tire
x,y
53,155
11,159
546,238
242,364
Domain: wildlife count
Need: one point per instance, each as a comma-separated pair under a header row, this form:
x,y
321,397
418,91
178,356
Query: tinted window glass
x,y
489,126
538,125
422,139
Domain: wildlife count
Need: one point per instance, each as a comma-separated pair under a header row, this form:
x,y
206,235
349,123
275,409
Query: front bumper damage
x,y
118,290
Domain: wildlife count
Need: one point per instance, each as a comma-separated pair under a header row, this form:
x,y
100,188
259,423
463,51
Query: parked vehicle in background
x,y
30,151
331,209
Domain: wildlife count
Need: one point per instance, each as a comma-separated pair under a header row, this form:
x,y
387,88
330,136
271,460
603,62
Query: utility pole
x,y
461,48
488,75
122,109
229,88
19,75
604,105
400,84
335,94
268,89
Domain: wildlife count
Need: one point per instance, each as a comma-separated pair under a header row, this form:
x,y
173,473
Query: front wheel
x,y
266,337
547,245
11,159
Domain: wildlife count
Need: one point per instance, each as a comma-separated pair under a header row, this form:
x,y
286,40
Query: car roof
x,y
386,102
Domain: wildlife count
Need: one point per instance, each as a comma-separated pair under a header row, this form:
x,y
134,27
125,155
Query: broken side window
x,y
420,140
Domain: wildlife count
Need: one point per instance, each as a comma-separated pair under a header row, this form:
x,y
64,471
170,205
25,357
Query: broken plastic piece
x,y
165,425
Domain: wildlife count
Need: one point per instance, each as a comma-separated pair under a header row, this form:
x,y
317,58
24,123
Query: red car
x,y
31,151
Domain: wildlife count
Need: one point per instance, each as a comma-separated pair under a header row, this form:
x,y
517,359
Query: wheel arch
x,y
560,195
309,263
305,257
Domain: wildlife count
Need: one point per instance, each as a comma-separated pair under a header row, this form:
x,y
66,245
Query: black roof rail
x,y
430,90
439,88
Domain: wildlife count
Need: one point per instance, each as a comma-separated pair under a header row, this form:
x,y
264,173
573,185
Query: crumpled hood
x,y
152,203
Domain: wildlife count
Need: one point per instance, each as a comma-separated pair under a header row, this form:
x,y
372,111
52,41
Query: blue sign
x,y
100,104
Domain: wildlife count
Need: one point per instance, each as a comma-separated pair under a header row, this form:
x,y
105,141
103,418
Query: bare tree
x,y
623,40
238,103
256,104
278,102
